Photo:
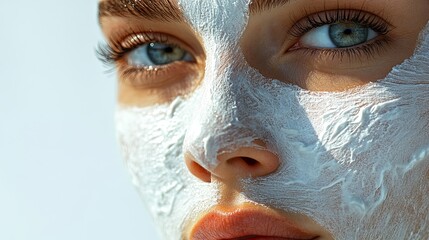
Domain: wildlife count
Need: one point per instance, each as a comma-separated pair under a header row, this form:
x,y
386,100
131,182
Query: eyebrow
x,y
257,6
165,10
162,10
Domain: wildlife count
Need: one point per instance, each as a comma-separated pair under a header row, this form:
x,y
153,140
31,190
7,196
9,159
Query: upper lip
x,y
246,223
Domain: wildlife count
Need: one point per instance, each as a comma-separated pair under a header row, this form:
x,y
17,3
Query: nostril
x,y
250,161
244,161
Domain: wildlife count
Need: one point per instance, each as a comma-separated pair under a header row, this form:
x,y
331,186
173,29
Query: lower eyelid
x,y
156,77
144,88
361,53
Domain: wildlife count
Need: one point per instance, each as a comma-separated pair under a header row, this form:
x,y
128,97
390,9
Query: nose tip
x,y
242,163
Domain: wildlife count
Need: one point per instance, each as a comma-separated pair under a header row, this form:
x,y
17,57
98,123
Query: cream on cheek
x,y
151,140
357,162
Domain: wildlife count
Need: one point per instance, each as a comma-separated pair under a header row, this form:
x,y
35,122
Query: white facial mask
x,y
356,162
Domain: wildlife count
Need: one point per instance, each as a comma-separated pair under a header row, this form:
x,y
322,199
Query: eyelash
x,y
369,20
329,17
112,53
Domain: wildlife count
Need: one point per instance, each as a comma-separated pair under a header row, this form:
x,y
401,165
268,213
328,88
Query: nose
x,y
243,162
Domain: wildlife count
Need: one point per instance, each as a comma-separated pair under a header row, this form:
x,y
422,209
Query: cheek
x,y
151,139
350,159
152,148
357,158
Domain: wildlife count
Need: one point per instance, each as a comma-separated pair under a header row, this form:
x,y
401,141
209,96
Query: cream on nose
x,y
244,162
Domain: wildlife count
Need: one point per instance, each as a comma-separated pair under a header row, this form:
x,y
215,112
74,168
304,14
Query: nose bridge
x,y
216,123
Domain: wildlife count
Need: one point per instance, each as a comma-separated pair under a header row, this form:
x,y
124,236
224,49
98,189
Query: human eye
x,y
155,54
353,31
150,60
338,35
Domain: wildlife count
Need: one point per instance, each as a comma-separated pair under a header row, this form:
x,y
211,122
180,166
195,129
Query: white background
x,y
61,176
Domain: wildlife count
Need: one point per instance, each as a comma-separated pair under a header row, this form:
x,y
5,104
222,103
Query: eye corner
x,y
107,54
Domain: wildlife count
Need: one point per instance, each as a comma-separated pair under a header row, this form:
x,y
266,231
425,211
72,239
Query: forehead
x,y
216,18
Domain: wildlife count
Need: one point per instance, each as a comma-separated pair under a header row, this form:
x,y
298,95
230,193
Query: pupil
x,y
168,50
348,31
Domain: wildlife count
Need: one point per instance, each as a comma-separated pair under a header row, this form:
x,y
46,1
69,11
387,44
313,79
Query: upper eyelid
x,y
329,16
136,39
178,33
148,37
117,47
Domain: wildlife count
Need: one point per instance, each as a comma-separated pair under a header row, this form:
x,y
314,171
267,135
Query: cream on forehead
x,y
213,19
353,161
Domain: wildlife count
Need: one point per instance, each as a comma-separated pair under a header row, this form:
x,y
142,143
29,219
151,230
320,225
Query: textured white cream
x,y
357,162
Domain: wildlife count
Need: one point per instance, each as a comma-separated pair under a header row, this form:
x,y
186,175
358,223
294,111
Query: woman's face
x,y
241,119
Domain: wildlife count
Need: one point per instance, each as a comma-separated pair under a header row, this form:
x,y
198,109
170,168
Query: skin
x,y
285,59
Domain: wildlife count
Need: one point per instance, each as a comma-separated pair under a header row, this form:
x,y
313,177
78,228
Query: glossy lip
x,y
247,223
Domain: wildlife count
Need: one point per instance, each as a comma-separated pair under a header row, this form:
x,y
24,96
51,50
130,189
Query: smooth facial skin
x,y
283,111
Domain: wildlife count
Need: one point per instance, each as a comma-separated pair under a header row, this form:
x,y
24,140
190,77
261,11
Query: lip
x,y
247,224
